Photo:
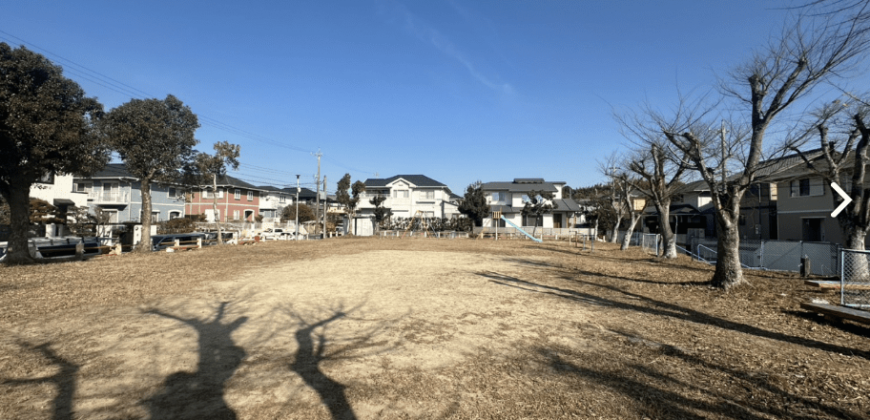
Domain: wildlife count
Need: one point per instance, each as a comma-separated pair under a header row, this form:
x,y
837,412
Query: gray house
x,y
117,192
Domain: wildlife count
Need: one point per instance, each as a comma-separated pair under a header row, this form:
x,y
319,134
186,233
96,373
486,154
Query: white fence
x,y
540,232
776,255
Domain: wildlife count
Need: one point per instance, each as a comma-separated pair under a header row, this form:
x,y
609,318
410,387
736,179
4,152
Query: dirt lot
x,y
414,328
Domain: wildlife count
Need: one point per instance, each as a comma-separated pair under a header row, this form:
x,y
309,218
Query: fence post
x,y
761,263
842,278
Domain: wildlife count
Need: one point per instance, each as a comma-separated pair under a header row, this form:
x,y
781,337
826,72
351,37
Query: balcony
x,y
107,197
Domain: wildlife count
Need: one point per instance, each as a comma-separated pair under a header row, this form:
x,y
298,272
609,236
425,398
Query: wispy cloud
x,y
427,33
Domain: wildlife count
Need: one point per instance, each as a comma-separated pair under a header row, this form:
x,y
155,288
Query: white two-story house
x,y
408,194
509,198
272,202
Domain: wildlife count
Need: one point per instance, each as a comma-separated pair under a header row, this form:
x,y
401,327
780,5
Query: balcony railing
x,y
108,197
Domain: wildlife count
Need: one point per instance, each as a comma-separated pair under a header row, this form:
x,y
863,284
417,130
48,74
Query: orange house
x,y
237,200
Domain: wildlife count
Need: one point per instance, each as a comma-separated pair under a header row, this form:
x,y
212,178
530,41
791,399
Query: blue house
x,y
119,193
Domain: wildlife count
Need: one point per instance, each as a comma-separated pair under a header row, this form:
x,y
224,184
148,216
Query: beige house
x,y
804,204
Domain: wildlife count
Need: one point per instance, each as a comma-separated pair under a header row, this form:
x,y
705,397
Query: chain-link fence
x,y
650,242
855,278
776,255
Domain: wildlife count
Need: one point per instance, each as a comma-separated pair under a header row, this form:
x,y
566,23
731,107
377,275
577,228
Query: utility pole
x,y
325,200
296,236
317,186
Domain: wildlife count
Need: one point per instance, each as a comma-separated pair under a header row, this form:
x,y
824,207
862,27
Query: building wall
x,y
161,203
61,189
227,205
408,207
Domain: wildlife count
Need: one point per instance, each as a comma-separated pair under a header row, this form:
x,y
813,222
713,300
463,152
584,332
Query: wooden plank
x,y
833,284
838,311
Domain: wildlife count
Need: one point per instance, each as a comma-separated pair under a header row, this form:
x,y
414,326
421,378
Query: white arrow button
x,y
846,199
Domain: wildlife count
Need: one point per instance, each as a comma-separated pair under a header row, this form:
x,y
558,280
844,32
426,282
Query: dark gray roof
x,y
119,171
114,171
567,205
522,185
271,189
228,181
418,180
304,193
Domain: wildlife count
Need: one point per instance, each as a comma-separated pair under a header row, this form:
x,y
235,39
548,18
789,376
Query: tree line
x,y
48,125
721,137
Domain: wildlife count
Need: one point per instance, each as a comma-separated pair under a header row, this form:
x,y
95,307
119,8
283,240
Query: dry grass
x,y
418,329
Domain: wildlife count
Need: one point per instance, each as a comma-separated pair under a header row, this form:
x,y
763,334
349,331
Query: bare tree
x,y
661,170
609,167
628,189
773,80
844,160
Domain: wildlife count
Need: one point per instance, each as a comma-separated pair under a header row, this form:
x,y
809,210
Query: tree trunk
x,y
729,272
217,219
627,239
615,235
145,244
19,221
669,239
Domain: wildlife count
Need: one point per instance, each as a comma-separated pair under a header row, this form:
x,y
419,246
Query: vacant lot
x,y
402,329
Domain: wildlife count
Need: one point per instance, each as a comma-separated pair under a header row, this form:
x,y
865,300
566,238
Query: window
x,y
282,199
220,193
174,215
807,187
237,195
804,187
499,196
400,193
235,214
173,193
205,194
250,196
46,178
84,187
155,216
428,195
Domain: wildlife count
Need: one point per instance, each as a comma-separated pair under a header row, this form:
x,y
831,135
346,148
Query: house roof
x,y
417,180
304,193
776,166
567,204
228,181
270,188
112,171
522,185
119,171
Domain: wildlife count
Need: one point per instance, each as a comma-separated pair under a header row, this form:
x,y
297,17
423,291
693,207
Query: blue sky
x,y
455,90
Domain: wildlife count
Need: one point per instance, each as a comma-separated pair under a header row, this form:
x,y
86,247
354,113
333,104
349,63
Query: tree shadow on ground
x,y
200,394
840,324
64,380
634,280
316,348
663,309
658,393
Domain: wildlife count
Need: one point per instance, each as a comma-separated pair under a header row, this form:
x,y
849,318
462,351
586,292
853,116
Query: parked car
x,y
277,234
161,242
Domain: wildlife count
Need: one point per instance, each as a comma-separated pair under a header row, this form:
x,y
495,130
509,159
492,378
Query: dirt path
x,y
416,329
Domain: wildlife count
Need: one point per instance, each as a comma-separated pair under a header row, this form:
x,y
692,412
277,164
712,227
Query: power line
x,y
125,89
107,82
